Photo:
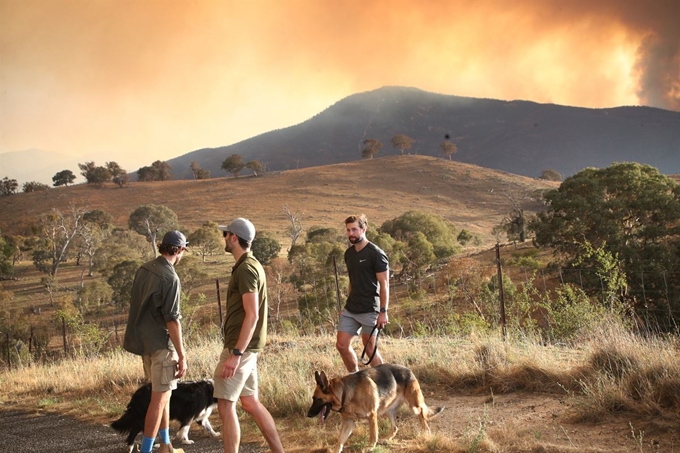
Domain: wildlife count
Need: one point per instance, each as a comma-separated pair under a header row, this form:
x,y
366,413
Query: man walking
x,y
154,332
245,334
369,294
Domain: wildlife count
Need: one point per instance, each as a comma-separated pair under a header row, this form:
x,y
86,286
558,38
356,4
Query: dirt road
x,y
51,433
517,422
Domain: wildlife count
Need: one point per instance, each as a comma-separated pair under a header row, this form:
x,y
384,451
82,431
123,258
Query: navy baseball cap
x,y
175,238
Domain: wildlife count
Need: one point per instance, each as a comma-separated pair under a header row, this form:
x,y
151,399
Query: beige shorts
x,y
160,369
242,383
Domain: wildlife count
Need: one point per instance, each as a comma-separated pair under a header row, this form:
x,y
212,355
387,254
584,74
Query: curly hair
x,y
167,249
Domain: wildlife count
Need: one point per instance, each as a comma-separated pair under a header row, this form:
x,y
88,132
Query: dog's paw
x,y
187,442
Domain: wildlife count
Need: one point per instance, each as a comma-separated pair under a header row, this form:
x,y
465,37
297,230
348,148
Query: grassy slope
x,y
471,197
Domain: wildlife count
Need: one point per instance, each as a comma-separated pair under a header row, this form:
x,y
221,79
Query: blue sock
x,y
164,435
147,444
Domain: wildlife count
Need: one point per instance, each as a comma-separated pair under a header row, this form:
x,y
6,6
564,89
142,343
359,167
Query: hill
x,y
44,165
514,136
471,197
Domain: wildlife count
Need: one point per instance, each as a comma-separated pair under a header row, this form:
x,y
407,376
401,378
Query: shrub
x,y
570,313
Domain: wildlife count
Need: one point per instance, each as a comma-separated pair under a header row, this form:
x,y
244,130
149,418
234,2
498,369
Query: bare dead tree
x,y
58,230
295,229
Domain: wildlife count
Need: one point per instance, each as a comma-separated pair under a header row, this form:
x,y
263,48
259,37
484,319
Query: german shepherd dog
x,y
190,401
369,394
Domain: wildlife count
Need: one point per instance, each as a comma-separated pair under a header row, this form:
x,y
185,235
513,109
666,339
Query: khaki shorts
x,y
242,383
160,369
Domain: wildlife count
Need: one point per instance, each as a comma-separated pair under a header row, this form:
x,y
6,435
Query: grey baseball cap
x,y
241,227
175,238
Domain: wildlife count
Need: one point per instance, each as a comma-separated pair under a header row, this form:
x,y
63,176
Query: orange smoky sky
x,y
140,80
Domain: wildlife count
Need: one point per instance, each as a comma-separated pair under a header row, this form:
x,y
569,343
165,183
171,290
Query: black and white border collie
x,y
190,401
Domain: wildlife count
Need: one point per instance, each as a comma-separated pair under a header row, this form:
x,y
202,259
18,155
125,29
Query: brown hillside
x,y
472,197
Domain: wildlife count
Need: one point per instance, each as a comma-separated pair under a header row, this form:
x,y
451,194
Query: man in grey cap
x,y
154,332
245,334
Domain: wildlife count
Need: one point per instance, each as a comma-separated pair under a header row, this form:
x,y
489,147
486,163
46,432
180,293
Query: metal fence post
x,y
500,291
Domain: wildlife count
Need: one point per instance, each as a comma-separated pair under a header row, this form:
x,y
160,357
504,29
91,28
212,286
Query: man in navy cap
x,y
245,334
154,332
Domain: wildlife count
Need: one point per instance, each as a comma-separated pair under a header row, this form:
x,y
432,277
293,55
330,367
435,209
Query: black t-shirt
x,y
362,267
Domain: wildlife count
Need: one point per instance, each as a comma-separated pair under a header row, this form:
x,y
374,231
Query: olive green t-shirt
x,y
154,300
247,276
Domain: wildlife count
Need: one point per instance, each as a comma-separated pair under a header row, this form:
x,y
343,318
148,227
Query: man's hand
x,y
382,320
230,365
181,367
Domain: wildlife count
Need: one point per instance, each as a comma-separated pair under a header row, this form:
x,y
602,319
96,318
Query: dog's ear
x,y
321,381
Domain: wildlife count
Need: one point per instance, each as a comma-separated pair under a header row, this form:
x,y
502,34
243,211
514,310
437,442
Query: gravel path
x,y
53,433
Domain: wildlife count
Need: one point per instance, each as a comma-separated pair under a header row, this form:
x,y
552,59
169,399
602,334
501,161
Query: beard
x,y
355,239
178,258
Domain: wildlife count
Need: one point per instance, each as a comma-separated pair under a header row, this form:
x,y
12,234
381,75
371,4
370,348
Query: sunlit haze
x,y
134,81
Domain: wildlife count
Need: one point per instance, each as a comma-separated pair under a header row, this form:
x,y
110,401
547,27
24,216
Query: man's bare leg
x,y
370,339
344,346
264,421
231,430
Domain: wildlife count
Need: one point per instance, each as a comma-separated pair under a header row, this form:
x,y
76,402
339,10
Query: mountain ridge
x,y
521,137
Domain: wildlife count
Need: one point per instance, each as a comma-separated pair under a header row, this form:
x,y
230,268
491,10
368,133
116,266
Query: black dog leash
x,y
375,349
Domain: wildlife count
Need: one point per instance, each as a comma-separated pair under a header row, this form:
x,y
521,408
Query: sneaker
x,y
167,448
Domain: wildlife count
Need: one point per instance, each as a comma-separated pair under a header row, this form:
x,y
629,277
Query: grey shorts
x,y
351,322
160,368
242,383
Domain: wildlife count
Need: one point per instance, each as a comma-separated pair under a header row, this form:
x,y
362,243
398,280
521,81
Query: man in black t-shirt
x,y
369,294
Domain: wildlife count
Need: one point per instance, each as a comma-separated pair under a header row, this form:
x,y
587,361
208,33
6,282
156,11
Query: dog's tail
x,y
426,413
124,424
432,412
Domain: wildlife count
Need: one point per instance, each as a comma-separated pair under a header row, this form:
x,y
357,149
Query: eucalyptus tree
x,y
34,186
371,147
265,247
153,221
448,148
207,240
63,178
233,164
437,230
55,233
255,166
95,229
8,186
402,142
198,172
118,175
627,211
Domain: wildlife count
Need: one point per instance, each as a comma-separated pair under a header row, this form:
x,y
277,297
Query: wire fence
x,y
653,296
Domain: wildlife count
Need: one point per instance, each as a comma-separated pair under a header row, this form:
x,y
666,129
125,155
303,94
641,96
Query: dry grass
x,y
624,374
613,371
471,197
609,372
